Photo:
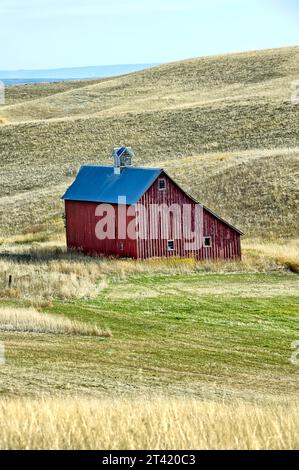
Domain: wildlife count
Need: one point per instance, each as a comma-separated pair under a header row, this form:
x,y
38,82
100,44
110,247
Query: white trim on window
x,y
161,184
170,245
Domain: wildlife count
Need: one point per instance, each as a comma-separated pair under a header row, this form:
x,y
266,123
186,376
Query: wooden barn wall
x,y
225,240
81,221
80,229
158,248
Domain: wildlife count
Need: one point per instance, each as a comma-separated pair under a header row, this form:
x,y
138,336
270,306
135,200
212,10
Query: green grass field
x,y
190,350
195,334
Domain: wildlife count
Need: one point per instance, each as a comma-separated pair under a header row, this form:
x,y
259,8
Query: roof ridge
x,y
125,168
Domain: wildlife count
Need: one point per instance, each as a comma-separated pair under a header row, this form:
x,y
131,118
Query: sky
x,y
43,34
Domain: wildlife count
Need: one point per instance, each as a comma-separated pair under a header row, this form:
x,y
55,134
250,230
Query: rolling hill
x,y
223,126
169,350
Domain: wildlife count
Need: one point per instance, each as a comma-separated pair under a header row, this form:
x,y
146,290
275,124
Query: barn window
x,y
161,184
170,245
207,241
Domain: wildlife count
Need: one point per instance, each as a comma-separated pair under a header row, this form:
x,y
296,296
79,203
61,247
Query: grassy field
x,y
17,94
146,424
206,340
264,205
31,321
174,353
224,126
178,326
203,340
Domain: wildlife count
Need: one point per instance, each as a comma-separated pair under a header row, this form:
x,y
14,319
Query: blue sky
x,y
64,33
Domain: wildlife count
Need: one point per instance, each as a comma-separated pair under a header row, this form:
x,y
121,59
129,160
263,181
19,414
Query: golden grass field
x,y
43,270
171,353
223,126
146,424
32,321
211,341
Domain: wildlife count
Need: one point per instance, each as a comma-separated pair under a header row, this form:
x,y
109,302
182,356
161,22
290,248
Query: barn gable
x,y
224,239
96,183
151,188
204,207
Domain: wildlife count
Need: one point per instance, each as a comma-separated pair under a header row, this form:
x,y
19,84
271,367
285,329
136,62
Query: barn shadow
x,y
39,255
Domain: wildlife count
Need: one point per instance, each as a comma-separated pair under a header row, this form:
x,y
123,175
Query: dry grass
x,y
256,190
42,275
229,79
225,129
45,271
29,238
146,424
281,252
20,93
42,281
175,113
264,204
32,321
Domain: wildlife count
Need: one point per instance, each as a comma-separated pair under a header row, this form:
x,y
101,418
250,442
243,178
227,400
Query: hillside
x,y
15,94
169,351
223,126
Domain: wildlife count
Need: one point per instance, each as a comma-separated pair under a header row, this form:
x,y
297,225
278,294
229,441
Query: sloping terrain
x,y
206,342
256,190
231,113
245,78
19,93
178,335
218,342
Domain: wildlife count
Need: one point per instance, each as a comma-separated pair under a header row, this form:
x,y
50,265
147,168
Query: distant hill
x,y
224,126
28,81
71,73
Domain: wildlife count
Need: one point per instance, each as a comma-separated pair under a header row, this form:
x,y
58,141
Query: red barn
x,y
140,213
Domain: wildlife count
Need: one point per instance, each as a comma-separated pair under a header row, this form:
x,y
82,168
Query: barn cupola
x,y
122,158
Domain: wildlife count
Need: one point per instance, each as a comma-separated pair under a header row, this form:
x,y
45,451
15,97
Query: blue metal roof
x,y
100,184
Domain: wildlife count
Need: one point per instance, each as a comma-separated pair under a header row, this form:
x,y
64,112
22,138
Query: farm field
x,y
174,348
187,339
183,334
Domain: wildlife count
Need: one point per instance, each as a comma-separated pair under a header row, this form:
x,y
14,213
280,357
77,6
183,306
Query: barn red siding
x,y
225,240
81,222
80,231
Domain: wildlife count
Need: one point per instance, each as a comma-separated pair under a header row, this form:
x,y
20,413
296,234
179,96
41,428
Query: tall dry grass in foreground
x,y
146,424
32,321
45,271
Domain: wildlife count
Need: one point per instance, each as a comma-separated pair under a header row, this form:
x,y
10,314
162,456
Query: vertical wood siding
x,y
225,241
80,228
81,222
